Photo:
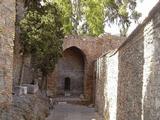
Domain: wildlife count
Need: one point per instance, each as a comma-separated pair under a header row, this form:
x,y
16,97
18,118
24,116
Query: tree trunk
x,y
33,69
44,82
43,85
21,71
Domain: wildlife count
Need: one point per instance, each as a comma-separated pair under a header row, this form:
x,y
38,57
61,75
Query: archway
x,y
71,72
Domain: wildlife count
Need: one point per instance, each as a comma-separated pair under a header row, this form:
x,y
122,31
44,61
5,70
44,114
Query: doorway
x,y
67,84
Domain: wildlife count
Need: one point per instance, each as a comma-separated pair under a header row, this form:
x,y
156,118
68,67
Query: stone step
x,y
68,99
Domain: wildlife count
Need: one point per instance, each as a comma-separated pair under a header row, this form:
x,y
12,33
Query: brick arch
x,y
72,64
87,69
79,49
53,91
91,48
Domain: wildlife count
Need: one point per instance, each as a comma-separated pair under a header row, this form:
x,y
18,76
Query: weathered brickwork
x,y
138,79
91,48
7,32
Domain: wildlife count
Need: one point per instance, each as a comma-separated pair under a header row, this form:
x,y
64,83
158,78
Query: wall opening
x,y
67,84
71,72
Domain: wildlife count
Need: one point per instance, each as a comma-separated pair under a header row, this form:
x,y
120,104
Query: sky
x,y
144,7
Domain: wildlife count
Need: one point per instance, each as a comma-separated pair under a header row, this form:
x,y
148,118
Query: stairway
x,y
70,99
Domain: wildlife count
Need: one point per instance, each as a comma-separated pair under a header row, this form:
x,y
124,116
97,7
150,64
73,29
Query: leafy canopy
x,y
90,16
42,34
42,26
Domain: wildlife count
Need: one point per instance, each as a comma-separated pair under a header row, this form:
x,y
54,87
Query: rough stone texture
x,y
151,77
138,88
130,79
91,48
106,85
27,107
7,32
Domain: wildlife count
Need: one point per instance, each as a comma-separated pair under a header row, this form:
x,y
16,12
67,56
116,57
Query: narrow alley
x,y
66,111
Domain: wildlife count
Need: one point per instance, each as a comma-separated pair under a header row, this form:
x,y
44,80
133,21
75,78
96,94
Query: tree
x,y
121,12
90,16
41,36
43,25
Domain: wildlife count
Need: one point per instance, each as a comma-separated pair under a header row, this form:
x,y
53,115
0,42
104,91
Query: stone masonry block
x,y
20,90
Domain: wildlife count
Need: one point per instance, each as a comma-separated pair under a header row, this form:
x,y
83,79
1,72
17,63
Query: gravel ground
x,y
66,111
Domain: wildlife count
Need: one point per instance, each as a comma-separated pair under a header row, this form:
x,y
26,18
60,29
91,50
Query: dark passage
x,y
67,84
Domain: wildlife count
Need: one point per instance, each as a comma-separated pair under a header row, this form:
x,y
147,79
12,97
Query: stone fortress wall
x,y
7,33
128,79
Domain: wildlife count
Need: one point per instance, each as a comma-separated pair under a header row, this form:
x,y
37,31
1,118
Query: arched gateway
x,y
70,70
73,74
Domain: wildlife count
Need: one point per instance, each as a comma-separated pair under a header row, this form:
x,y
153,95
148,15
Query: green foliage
x,y
66,8
41,36
82,16
121,12
90,16
94,14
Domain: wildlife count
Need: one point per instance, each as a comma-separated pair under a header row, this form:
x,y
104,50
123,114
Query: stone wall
x,y
151,67
130,79
138,86
138,59
106,85
7,28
